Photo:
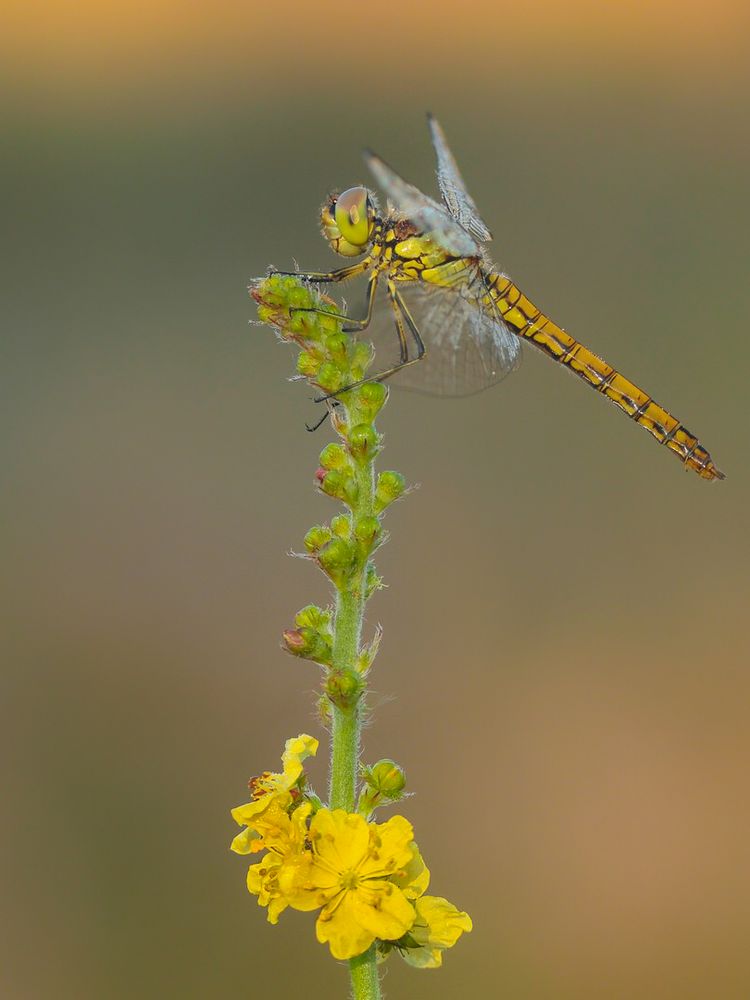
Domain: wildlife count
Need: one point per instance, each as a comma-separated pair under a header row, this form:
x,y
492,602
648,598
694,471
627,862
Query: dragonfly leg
x,y
402,317
341,274
349,325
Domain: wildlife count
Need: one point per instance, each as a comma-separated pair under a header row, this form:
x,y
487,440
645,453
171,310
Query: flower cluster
x,y
367,880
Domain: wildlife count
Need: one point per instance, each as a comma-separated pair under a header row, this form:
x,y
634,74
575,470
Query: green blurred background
x,y
564,670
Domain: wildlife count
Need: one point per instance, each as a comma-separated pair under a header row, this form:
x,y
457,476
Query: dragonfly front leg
x,y
349,325
342,274
404,321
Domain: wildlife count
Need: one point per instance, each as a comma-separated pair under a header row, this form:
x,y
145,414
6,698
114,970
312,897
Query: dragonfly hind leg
x,y
403,319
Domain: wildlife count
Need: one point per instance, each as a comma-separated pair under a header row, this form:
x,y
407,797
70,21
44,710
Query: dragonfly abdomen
x,y
528,322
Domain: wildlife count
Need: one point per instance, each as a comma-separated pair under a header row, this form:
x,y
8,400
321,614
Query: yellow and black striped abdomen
x,y
532,325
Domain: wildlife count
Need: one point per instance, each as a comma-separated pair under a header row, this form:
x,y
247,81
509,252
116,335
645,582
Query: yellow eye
x,y
353,216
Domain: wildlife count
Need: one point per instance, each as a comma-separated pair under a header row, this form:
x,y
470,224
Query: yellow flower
x,y
438,926
352,872
284,837
271,788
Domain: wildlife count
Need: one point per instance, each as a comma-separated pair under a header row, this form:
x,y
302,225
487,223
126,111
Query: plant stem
x,y
364,973
347,718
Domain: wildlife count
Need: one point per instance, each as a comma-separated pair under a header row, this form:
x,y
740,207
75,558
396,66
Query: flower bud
x,y
309,644
339,484
316,538
334,456
385,777
364,442
389,487
366,530
329,376
308,364
336,346
383,782
341,526
371,399
337,560
343,688
311,616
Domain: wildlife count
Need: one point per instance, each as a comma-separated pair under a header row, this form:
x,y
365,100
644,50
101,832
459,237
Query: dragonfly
x,y
459,321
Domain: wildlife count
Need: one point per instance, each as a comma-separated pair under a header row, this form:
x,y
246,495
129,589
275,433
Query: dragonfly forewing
x,y
429,217
459,202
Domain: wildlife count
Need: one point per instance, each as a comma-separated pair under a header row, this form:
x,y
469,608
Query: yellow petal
x,y
242,843
382,909
339,839
345,936
414,879
297,749
304,884
390,847
439,923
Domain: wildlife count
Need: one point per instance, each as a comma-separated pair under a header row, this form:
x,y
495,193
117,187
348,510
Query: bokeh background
x,y
564,673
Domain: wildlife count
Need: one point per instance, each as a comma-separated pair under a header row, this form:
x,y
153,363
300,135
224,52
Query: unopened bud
x,y
341,526
333,456
364,442
372,398
336,346
308,364
389,487
366,530
309,644
344,689
311,616
316,538
329,377
337,559
386,777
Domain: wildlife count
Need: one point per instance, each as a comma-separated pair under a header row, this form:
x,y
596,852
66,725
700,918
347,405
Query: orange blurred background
x,y
564,669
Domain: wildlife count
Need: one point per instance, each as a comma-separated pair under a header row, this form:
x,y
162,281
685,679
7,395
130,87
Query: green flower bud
x,y
337,560
329,377
316,538
338,483
385,777
314,617
308,364
344,689
389,487
336,346
309,644
372,397
367,530
364,442
334,456
341,526
384,782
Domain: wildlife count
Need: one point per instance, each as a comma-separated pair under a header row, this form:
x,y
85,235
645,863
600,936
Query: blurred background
x,y
564,669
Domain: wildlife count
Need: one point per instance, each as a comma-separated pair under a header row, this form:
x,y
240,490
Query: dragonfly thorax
x,y
348,220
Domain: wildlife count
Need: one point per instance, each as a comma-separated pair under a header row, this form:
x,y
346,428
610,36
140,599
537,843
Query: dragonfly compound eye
x,y
353,216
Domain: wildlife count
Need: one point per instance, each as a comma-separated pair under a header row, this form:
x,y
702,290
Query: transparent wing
x,y
458,200
468,349
420,209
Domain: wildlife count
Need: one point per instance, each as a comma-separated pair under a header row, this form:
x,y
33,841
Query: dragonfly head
x,y
348,221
